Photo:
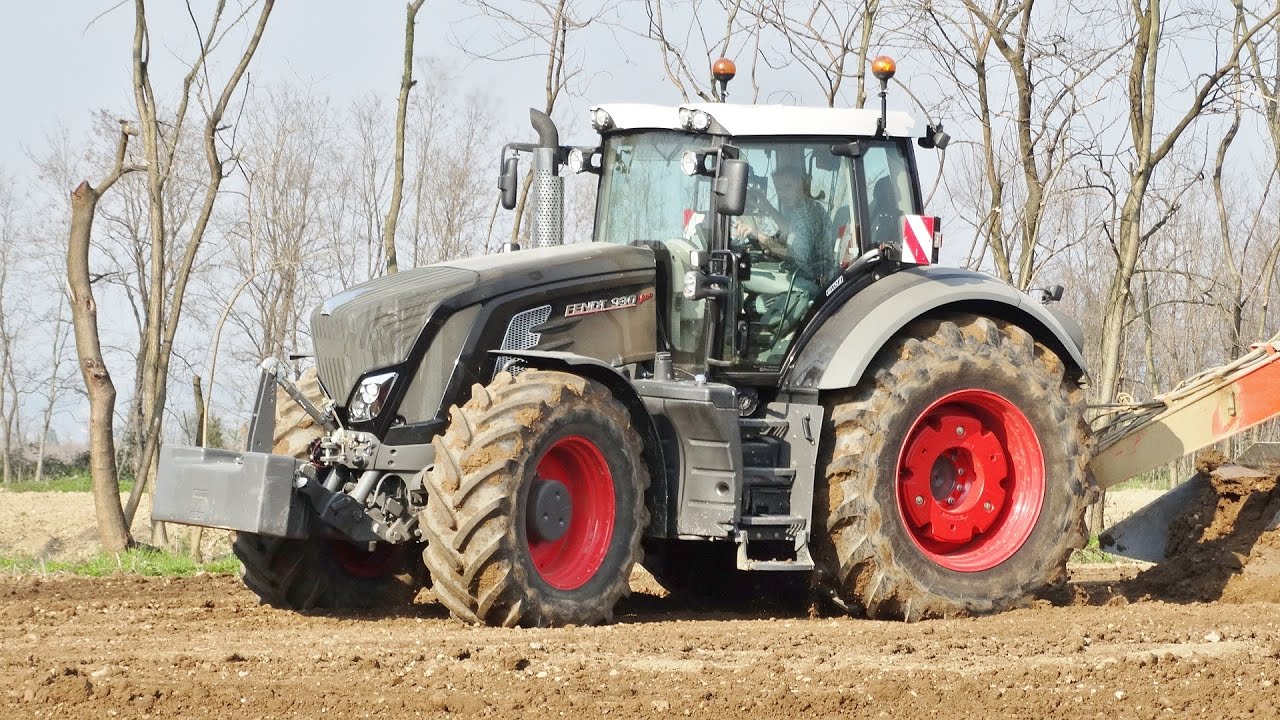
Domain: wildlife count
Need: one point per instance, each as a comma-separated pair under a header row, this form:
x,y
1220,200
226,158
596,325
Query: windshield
x,y
646,199
644,195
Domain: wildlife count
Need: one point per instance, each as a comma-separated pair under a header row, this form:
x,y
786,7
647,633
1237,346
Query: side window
x,y
796,229
889,193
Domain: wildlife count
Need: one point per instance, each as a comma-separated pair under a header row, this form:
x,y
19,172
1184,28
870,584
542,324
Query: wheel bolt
x,y
960,472
988,506
959,431
919,500
951,501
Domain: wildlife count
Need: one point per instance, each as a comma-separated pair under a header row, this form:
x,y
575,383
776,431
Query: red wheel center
x,y
970,480
567,556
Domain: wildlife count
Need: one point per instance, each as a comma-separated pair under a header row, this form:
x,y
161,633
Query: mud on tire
x,y
891,536
488,561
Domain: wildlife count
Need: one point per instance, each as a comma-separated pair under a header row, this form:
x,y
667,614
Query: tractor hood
x,y
374,324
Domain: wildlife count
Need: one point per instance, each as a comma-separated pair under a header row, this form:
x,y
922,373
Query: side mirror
x,y
730,187
508,183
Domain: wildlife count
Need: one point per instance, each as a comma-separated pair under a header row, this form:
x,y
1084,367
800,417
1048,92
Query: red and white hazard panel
x,y
921,239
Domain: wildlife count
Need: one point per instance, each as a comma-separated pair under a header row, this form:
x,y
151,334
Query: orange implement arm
x,y
1211,407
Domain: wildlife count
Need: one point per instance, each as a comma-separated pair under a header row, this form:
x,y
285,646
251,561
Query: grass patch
x,y
79,482
1092,554
150,563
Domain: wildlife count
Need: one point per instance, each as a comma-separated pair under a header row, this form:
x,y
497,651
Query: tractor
x,y
755,366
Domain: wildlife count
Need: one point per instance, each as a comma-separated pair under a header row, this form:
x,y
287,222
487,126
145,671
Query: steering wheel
x,y
768,221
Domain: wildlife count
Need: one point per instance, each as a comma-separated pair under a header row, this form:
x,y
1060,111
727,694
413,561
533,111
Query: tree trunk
x,y
397,180
112,529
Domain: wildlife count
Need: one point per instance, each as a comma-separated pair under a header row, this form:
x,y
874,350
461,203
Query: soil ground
x,y
1198,636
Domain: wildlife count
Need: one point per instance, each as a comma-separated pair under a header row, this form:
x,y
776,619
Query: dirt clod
x,y
1225,546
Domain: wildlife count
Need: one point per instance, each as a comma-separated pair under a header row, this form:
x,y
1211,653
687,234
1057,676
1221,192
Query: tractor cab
x,y
819,188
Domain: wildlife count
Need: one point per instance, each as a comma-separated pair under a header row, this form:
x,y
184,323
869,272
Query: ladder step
x,y
773,427
768,475
772,521
803,561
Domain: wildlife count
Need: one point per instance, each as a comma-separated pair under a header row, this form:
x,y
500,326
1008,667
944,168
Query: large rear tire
x,y
535,503
955,474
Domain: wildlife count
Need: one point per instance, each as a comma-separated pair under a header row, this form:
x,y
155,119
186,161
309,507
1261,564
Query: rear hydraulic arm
x,y
1210,407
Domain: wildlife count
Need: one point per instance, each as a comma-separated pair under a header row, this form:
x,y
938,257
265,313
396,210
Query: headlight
x,y
689,163
600,120
369,396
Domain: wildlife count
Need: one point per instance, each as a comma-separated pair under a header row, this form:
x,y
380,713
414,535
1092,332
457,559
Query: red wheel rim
x,y
570,561
361,563
971,480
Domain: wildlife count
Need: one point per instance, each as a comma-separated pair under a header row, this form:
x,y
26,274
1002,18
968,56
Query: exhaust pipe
x,y
548,187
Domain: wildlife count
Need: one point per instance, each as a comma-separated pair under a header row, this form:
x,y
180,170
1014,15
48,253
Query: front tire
x,y
322,574
956,479
318,573
535,503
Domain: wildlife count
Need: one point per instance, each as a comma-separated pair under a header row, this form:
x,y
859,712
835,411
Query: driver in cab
x,y
801,238
801,246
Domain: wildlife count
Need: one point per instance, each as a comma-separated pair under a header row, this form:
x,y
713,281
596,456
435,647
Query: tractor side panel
x,y
839,352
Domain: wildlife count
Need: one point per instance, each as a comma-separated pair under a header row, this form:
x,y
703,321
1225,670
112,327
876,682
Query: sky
x,y
65,60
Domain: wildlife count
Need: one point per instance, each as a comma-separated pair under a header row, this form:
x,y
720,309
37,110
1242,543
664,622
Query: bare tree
x,y
402,108
830,40
528,29
113,529
1148,150
691,34
1046,64
163,311
56,383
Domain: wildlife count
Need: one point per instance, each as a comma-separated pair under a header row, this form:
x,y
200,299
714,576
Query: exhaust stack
x,y
547,227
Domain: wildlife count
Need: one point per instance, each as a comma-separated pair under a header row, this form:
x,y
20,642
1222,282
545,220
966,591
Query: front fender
x,y
837,355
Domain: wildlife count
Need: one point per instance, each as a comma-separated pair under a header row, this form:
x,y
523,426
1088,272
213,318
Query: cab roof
x,y
757,120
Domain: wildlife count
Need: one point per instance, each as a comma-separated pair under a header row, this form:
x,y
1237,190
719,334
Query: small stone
x,y
100,672
661,705
541,674
1119,694
1213,636
535,646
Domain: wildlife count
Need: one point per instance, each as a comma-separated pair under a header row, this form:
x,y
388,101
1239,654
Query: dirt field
x,y
1197,637
203,647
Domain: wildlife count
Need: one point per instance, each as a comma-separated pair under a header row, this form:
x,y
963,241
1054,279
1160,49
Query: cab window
x,y
890,196
797,230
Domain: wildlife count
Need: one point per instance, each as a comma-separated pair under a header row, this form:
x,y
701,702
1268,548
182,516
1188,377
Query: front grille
x,y
520,334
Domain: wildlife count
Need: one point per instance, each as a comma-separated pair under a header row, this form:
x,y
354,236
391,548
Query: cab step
x,y
774,528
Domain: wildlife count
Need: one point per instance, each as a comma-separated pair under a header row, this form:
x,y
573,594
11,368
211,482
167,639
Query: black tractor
x,y
754,366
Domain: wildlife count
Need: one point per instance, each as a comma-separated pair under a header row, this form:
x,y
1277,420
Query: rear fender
x,y
660,496
839,352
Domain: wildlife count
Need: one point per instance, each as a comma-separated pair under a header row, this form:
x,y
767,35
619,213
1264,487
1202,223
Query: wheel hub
x,y
550,510
573,488
970,480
